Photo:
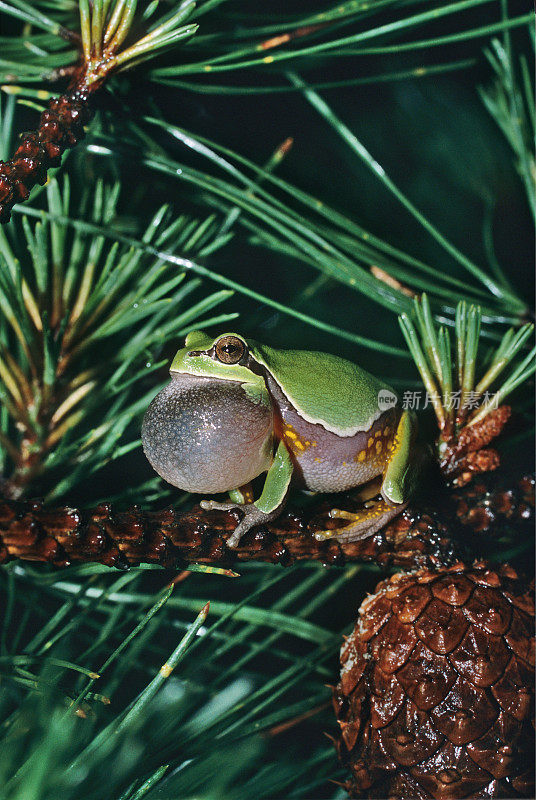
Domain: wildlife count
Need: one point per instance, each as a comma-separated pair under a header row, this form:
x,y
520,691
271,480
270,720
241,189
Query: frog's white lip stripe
x,y
208,376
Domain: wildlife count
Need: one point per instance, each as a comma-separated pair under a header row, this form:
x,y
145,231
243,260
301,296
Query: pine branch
x,y
61,127
104,28
63,536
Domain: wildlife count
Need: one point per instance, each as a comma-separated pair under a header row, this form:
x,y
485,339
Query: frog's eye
x,y
230,349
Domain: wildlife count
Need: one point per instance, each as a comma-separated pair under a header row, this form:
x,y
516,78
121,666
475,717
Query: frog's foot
x,y
252,516
362,523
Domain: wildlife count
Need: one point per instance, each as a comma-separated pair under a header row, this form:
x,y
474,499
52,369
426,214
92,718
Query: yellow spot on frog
x,y
293,440
379,447
386,431
370,442
389,444
362,455
396,444
378,433
247,493
318,460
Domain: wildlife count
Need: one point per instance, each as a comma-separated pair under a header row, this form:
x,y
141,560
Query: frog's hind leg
x,y
363,523
404,462
397,486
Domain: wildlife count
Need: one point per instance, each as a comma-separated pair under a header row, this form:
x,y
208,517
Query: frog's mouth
x,y
204,363
206,435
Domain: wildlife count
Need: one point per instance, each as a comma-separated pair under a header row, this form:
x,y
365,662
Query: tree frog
x,y
236,409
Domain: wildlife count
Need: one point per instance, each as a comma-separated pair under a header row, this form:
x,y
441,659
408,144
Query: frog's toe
x,y
213,505
361,524
241,529
252,516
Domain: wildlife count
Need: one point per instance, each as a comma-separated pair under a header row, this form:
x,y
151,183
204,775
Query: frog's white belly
x,y
325,462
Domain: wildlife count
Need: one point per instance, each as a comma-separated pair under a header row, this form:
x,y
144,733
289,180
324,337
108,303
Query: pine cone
x,y
436,692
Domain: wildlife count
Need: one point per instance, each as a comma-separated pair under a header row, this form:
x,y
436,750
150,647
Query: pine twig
x,y
61,126
104,28
469,417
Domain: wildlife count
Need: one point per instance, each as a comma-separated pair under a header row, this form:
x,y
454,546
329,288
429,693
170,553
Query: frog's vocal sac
x,y
236,409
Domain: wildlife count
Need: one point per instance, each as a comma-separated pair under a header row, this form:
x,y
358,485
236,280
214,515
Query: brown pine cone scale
x,y
436,692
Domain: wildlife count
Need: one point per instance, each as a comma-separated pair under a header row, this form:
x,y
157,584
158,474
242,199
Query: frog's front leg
x,y
269,504
399,481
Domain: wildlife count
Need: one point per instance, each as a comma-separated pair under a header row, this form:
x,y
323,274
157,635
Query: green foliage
x,y
105,26
257,42
444,376
83,331
113,688
511,103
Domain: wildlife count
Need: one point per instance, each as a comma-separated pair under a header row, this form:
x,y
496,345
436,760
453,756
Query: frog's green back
x,y
324,389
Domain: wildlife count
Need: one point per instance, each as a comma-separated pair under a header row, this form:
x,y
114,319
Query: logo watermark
x,y
420,400
386,399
